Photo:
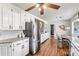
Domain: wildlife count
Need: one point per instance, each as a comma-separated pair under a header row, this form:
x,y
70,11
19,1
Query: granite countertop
x,y
11,40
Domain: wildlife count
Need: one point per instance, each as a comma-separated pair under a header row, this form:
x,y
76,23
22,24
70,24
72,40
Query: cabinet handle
x,y
22,46
13,49
19,27
10,26
18,43
11,9
26,41
10,45
72,54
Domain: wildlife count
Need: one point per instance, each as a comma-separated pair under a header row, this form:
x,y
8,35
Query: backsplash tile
x,y
7,34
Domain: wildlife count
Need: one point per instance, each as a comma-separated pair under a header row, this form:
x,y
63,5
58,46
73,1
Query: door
x,y
52,29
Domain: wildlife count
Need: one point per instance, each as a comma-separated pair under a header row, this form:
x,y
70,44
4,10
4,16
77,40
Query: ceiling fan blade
x,y
32,7
50,5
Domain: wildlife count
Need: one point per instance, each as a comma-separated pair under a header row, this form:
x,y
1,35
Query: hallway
x,y
49,48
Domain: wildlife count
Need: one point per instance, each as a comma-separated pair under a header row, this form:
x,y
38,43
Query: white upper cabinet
x,y
12,17
7,22
22,19
25,46
16,18
0,16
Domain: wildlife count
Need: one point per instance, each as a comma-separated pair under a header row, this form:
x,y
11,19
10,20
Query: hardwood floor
x,y
49,48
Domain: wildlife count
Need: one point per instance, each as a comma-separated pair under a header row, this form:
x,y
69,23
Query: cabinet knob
x,y
26,41
22,46
11,9
9,26
12,27
72,54
19,27
18,43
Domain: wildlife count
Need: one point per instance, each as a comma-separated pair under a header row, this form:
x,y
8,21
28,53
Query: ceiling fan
x,y
42,6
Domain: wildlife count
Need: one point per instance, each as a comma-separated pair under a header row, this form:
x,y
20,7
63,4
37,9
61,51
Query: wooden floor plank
x,y
49,48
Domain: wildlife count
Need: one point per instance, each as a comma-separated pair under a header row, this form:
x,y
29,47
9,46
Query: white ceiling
x,y
66,11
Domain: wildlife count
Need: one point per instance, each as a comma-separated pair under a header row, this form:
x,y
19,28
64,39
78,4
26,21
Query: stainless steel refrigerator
x,y
34,41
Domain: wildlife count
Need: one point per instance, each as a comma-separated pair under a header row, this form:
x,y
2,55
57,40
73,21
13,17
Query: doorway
x,y
52,29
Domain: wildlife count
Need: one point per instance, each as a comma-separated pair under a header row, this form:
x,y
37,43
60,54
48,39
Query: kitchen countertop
x,y
11,40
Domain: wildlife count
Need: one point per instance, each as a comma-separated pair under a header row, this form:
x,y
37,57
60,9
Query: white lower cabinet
x,y
44,37
18,48
5,49
25,47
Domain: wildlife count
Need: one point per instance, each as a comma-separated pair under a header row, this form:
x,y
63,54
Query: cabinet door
x,y
17,49
22,20
25,47
16,18
6,17
0,16
5,49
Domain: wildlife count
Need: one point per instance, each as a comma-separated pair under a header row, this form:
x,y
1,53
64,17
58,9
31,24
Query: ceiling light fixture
x,y
39,9
44,6
37,5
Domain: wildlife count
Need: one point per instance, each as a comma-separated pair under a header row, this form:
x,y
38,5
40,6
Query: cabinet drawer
x,y
17,43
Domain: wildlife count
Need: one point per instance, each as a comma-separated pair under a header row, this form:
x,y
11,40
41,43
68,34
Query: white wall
x,y
73,18
56,23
